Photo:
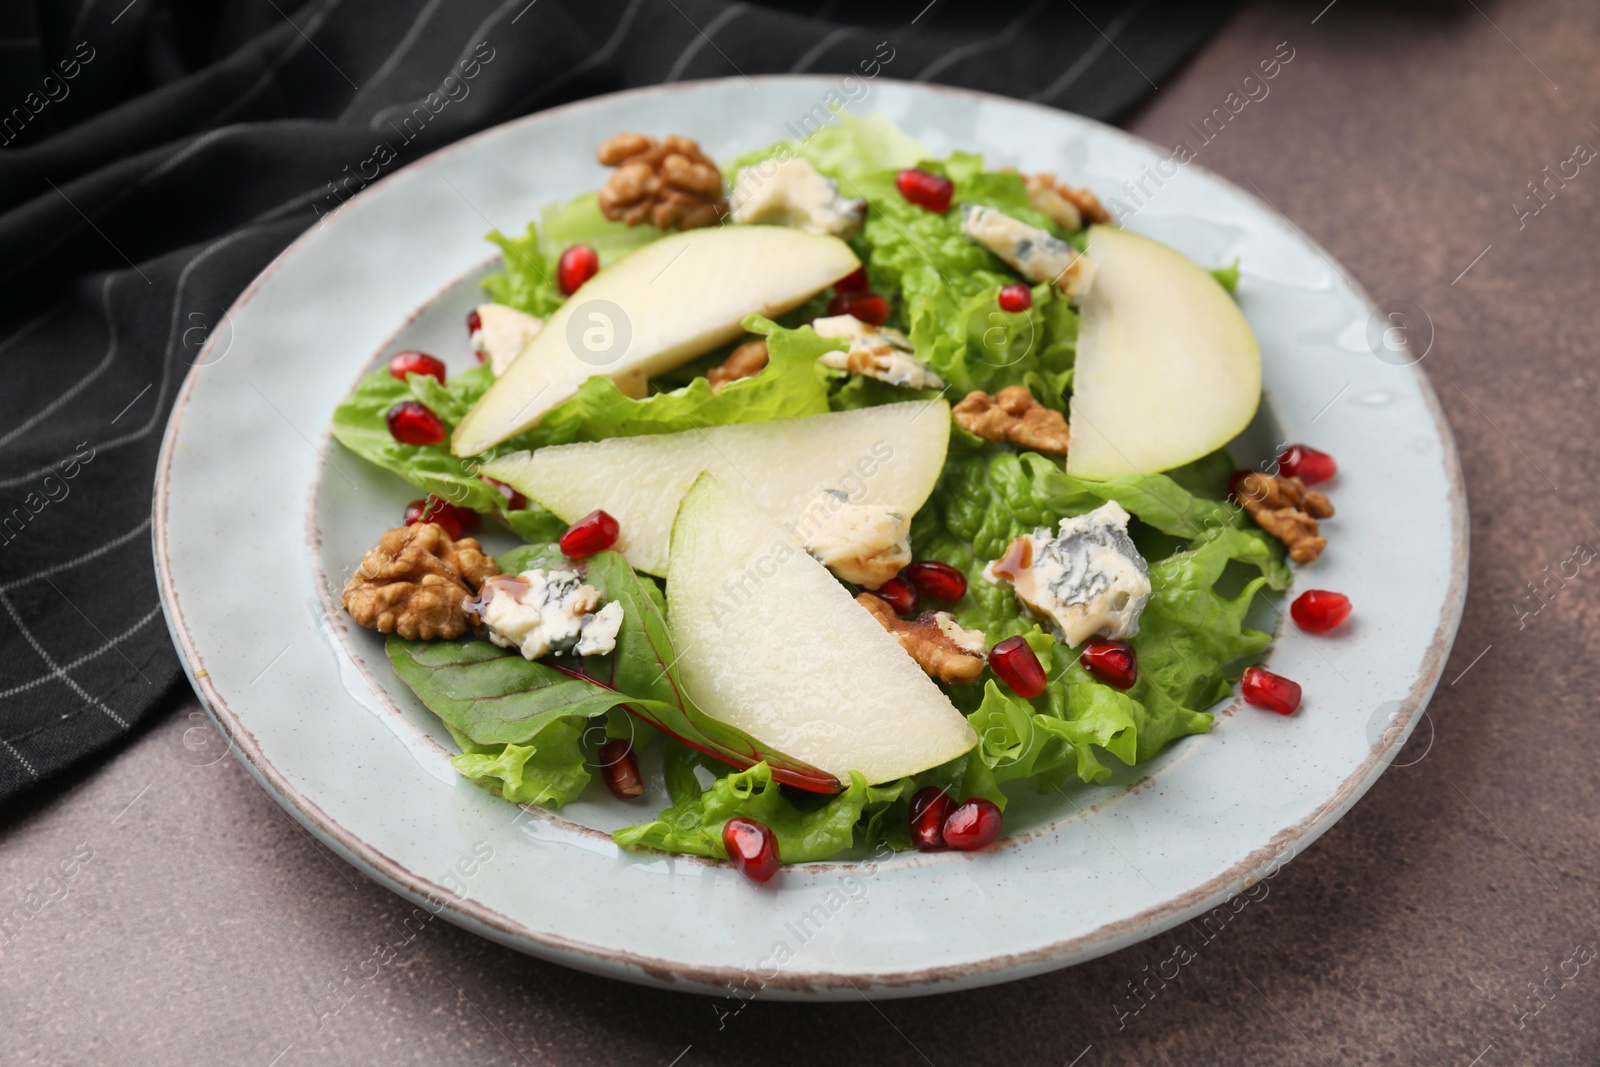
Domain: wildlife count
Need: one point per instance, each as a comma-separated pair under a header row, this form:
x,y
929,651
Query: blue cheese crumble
x,y
539,613
1036,254
1085,579
875,352
795,194
866,544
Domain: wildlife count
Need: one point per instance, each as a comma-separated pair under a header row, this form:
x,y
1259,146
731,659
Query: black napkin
x,y
155,155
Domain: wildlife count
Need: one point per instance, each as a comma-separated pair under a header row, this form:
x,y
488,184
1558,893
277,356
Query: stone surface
x,y
208,928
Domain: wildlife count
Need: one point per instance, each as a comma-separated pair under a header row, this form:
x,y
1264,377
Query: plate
x,y
259,517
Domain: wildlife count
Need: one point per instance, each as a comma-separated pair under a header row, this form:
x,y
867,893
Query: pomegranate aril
x,y
577,265
468,518
930,191
1016,665
1319,610
901,595
938,580
620,769
973,824
1112,662
1264,689
929,809
870,308
404,363
474,322
515,501
1307,464
854,282
595,532
411,423
435,511
1015,298
752,848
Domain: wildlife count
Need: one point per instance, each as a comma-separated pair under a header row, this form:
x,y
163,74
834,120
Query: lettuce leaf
x,y
850,148
548,769
359,425
791,385
526,280
805,831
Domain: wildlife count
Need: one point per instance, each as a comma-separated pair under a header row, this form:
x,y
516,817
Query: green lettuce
x,y
806,829
359,425
527,278
847,149
792,384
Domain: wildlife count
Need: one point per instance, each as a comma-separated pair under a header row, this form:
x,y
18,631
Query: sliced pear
x,y
884,455
662,306
1167,370
770,642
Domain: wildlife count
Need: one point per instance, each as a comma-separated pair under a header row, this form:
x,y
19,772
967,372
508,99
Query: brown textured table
x,y
1449,919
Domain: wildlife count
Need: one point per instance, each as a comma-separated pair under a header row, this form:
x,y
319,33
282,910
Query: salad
x,y
867,488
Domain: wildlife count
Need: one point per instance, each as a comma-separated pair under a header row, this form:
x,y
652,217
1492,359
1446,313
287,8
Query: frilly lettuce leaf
x,y
527,280
806,829
846,149
791,385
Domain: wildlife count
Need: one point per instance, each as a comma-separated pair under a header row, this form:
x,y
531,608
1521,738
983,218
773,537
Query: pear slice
x,y
1167,370
672,300
884,455
768,641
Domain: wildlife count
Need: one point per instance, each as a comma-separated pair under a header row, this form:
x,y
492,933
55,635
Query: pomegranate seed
x,y
929,810
468,518
412,424
474,322
1112,662
901,595
515,501
1307,464
973,824
925,190
405,363
435,511
870,308
1318,610
595,532
577,265
1267,690
1018,667
752,848
1017,297
620,769
938,580
854,282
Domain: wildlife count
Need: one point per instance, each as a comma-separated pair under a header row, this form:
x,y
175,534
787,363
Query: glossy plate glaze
x,y
259,518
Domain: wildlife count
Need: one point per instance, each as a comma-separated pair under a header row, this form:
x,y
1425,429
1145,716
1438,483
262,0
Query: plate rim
x,y
618,963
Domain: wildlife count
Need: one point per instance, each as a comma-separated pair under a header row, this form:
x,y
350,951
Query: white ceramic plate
x,y
251,556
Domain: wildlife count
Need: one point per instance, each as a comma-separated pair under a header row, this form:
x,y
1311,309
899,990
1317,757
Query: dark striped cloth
x,y
156,154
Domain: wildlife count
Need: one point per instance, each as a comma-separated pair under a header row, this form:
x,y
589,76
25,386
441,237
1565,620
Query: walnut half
x,y
1070,206
1287,510
416,581
670,183
940,645
1013,415
746,361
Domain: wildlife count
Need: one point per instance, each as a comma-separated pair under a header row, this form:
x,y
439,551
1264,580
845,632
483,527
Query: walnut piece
x,y
670,183
1287,510
743,362
941,646
1013,415
416,581
1070,206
